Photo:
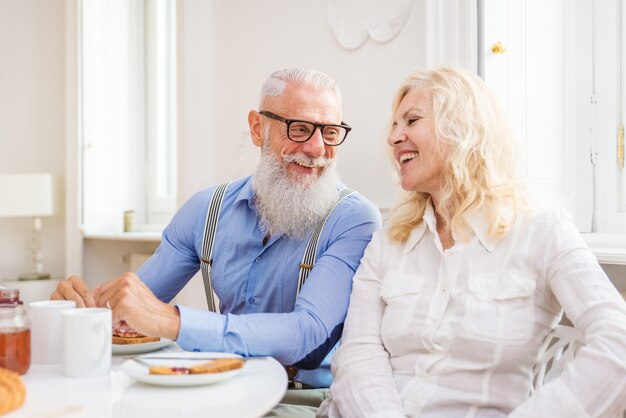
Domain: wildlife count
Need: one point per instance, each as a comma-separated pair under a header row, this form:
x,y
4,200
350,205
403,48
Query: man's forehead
x,y
297,101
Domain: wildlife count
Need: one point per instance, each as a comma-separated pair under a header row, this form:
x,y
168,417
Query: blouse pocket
x,y
400,291
499,307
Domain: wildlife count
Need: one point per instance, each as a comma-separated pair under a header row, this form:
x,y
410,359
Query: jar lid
x,y
9,294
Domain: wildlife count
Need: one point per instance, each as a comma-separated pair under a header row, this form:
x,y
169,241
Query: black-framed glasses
x,y
303,130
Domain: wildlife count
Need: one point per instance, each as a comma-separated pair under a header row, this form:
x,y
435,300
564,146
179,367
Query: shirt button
x,y
251,301
258,260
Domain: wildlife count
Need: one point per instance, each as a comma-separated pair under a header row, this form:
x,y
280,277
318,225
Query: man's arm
x,y
141,300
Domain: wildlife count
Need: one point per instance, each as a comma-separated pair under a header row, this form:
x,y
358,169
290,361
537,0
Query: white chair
x,y
558,349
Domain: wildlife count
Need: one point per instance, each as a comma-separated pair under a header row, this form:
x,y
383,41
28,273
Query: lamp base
x,y
34,276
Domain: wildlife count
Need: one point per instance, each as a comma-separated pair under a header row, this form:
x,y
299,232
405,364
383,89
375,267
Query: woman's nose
x,y
395,139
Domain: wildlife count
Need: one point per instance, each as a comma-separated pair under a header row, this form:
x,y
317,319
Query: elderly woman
x,y
453,299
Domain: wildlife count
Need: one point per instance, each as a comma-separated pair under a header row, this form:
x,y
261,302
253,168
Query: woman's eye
x,y
411,121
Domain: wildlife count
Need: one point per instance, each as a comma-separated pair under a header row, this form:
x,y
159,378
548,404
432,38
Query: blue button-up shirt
x,y
256,283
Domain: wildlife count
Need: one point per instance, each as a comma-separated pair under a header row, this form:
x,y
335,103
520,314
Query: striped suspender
x,y
311,250
210,228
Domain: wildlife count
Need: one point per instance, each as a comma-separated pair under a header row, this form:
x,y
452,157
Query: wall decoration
x,y
353,22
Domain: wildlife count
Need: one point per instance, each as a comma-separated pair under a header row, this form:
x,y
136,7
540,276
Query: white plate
x,y
140,372
140,348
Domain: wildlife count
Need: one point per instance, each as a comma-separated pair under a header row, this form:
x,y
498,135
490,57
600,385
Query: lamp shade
x,y
27,195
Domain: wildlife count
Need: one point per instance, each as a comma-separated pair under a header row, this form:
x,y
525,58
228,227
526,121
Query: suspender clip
x,y
204,260
306,266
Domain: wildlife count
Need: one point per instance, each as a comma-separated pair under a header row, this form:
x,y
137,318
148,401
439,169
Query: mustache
x,y
303,159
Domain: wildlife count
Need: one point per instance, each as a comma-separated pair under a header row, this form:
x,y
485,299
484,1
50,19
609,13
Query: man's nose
x,y
314,147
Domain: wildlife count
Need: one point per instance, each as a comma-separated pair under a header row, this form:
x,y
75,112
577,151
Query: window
x,y
128,112
560,79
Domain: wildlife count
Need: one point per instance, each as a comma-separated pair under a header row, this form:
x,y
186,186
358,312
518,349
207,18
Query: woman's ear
x,y
254,122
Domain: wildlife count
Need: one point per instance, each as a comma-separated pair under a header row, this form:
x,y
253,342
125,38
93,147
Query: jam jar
x,y
14,332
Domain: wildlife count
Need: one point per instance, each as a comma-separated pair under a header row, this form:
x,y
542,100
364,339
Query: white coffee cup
x,y
86,342
45,330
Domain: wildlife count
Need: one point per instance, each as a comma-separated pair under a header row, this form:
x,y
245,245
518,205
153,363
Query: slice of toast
x,y
134,340
217,366
165,370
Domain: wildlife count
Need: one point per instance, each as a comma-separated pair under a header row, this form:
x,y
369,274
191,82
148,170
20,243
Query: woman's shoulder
x,y
547,217
555,224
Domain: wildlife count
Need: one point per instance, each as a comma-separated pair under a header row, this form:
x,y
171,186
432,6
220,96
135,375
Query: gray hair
x,y
277,82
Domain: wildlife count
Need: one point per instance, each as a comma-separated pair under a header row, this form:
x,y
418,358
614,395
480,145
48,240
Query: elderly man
x,y
261,230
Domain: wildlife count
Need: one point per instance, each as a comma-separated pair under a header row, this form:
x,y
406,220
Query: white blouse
x,y
455,333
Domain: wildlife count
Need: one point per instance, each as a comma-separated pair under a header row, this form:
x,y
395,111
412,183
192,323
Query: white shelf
x,y
145,236
610,255
608,248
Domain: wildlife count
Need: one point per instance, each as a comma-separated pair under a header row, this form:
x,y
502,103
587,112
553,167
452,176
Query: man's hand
x,y
74,288
133,302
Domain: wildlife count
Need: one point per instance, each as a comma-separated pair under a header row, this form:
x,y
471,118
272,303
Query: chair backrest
x,y
558,349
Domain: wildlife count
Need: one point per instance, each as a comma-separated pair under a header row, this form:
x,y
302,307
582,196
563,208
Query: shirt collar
x,y
476,219
428,221
246,193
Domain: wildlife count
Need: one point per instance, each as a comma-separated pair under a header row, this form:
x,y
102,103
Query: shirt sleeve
x,y
363,384
594,383
304,336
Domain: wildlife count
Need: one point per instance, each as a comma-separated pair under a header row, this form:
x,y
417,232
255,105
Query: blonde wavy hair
x,y
479,170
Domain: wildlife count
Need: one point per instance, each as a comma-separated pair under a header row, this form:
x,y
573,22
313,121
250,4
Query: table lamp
x,y
29,195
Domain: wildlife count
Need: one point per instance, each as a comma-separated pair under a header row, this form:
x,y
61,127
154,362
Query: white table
x,y
252,393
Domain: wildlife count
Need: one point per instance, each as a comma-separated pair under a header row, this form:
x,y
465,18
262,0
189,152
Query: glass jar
x,y
129,220
14,337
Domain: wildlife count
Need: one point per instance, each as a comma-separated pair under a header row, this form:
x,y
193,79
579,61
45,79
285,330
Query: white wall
x,y
32,119
105,259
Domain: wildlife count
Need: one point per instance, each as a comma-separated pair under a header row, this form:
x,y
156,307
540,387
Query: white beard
x,y
293,206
